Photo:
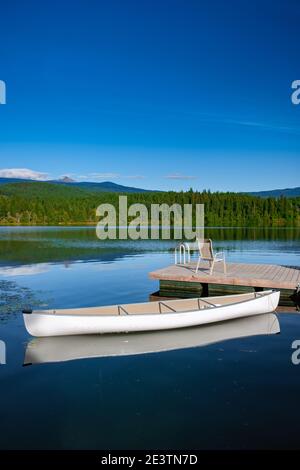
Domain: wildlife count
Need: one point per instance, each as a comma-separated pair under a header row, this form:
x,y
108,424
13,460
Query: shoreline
x,y
94,224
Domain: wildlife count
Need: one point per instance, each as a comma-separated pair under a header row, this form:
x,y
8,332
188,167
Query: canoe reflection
x,y
67,348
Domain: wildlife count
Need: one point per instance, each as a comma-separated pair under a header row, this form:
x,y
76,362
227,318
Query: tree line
x,y
40,204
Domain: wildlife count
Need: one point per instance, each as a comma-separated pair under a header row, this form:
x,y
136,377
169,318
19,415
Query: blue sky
x,y
155,94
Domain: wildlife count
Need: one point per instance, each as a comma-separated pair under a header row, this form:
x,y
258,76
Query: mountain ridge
x,y
109,186
103,186
287,192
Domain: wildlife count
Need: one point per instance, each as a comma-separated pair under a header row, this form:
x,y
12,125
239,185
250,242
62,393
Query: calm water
x,y
239,393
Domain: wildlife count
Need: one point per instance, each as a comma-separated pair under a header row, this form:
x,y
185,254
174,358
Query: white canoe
x,y
148,316
60,349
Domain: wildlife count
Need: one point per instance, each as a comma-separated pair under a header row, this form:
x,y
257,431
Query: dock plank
x,y
238,274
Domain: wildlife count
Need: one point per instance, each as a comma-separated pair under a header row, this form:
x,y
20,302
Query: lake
x,y
239,393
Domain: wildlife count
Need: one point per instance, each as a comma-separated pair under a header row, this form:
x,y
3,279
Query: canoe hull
x,y
59,325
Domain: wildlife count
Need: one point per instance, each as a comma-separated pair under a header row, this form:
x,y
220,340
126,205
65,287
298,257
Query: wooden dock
x,y
259,276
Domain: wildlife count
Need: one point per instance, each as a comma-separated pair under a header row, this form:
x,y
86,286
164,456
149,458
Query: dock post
x,y
205,292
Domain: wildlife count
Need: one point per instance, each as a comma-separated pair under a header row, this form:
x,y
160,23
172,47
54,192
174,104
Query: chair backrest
x,y
205,248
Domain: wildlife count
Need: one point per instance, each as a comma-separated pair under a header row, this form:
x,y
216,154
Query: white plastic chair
x,y
206,253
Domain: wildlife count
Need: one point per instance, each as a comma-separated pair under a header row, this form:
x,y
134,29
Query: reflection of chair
x,y
206,253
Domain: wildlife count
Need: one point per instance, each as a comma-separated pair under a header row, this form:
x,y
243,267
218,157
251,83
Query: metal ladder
x,y
184,252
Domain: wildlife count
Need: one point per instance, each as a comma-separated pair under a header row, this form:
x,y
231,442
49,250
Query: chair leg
x,y
225,268
198,264
212,267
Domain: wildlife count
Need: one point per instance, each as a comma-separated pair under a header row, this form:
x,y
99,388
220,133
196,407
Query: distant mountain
x,y
66,179
109,187
105,186
288,192
13,180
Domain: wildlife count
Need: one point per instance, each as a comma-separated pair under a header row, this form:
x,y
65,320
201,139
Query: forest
x,y
37,203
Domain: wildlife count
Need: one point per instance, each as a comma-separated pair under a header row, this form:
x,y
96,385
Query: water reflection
x,y
191,394
26,270
27,245
60,349
70,267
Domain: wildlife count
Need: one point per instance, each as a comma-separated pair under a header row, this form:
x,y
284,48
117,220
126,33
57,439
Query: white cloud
x,y
107,176
135,177
179,176
101,176
23,173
